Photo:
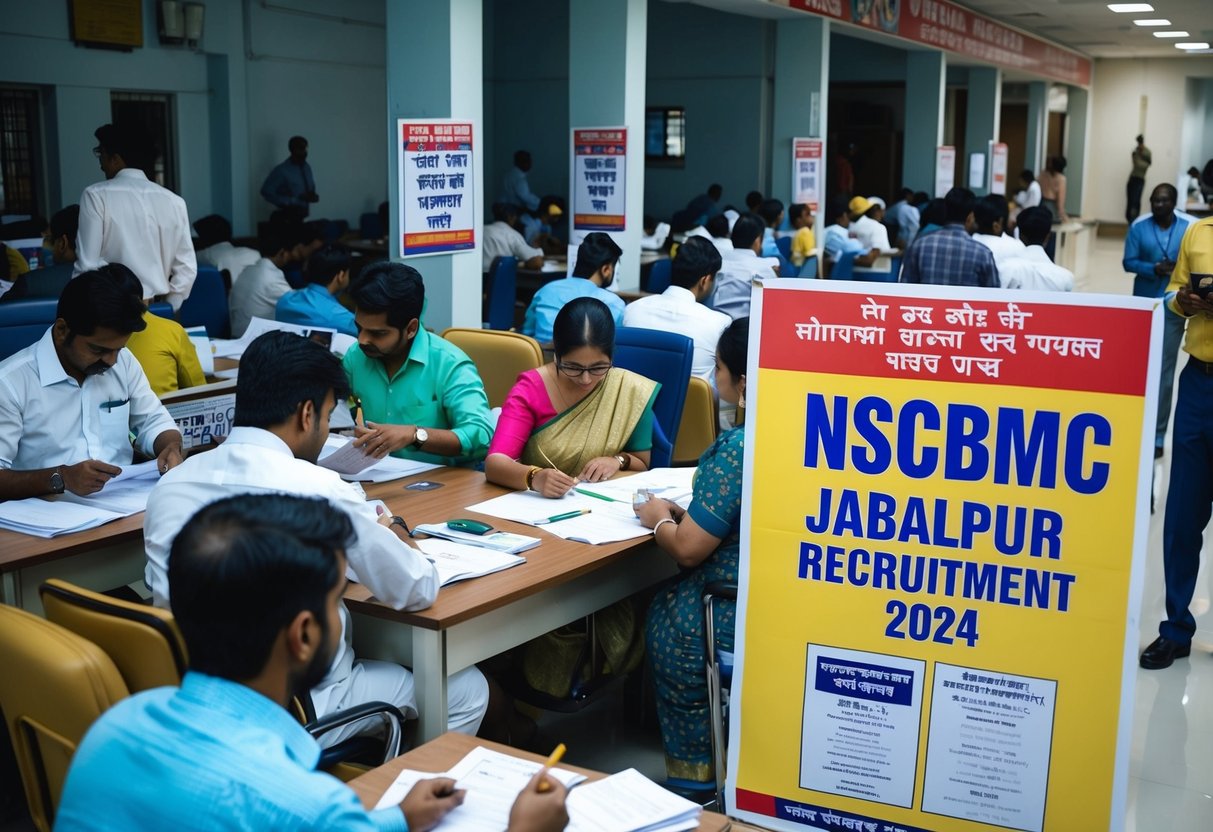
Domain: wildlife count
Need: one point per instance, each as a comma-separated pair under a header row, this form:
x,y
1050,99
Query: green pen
x,y
594,494
567,515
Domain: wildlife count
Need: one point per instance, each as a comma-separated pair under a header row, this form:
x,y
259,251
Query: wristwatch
x,y
57,486
625,461
420,438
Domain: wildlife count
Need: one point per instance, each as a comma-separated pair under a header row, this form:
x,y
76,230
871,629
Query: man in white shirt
x,y
990,215
1029,190
741,267
680,308
287,389
837,239
1034,270
129,220
256,293
867,224
70,402
215,247
502,240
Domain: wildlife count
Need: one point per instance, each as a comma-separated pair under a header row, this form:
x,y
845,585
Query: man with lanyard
x,y
1151,249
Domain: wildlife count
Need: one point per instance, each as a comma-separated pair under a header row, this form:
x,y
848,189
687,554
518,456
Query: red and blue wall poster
x,y
944,485
437,206
599,174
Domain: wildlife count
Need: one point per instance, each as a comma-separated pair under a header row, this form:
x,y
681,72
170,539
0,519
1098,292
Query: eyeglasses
x,y
97,151
576,370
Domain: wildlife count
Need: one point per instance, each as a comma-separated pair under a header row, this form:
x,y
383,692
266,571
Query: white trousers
x,y
467,694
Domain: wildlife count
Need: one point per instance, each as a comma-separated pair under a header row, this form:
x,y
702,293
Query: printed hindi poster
x,y
998,168
945,170
806,172
943,485
599,173
437,210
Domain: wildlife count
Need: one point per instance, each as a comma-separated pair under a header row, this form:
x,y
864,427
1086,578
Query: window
x,y
19,148
152,112
665,135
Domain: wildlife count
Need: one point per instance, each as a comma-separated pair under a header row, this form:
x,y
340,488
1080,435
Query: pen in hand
x,y
553,759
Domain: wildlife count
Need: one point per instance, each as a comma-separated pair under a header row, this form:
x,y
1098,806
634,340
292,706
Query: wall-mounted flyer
x,y
437,210
599,174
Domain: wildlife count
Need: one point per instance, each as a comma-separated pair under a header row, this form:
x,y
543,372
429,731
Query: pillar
x,y
1078,116
607,65
802,82
926,99
1038,128
981,123
435,70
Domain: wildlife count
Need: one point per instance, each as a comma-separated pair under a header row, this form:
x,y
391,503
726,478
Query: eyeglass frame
x,y
597,371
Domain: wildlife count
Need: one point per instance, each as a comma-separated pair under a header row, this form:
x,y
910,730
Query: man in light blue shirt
x,y
514,188
903,218
327,274
291,187
594,271
1151,249
257,582
837,240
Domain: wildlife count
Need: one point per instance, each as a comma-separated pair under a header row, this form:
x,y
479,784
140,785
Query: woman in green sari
x,y
576,419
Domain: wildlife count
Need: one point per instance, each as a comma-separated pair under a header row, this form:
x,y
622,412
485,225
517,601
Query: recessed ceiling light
x,y
1157,22
1170,34
1188,47
1122,8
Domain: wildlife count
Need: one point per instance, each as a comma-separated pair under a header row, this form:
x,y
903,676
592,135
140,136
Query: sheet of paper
x,y
47,518
129,472
671,483
627,802
260,326
342,343
390,468
202,345
340,454
460,561
607,522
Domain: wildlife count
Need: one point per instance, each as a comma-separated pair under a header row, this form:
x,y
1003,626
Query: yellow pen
x,y
553,759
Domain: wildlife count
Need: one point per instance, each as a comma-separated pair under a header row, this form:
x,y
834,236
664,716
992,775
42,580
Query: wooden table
x,y
560,582
440,754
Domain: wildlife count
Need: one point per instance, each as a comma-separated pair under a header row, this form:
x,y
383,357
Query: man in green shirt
x,y
421,397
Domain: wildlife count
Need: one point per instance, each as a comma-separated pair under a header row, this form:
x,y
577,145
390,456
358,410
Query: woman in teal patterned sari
x,y
703,540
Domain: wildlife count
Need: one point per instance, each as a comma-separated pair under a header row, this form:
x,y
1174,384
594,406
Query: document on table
x,y
459,561
259,326
492,779
608,521
126,493
340,454
376,470
629,802
672,484
51,518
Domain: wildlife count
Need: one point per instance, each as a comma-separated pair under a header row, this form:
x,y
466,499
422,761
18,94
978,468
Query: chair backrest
x,y
207,304
22,322
503,279
161,310
699,425
53,686
664,357
499,356
659,275
809,267
370,227
784,244
844,269
891,276
143,641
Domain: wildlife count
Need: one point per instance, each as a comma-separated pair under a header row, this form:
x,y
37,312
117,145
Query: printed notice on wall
x,y
988,747
437,212
806,172
860,728
599,171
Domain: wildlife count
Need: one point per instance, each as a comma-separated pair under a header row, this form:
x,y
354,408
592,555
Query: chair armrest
x,y
720,589
391,716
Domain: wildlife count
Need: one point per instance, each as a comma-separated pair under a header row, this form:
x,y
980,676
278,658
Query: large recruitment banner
x,y
942,560
437,210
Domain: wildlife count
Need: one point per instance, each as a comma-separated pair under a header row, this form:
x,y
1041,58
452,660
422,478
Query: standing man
x,y
421,395
1151,249
515,189
950,256
290,187
1190,495
70,403
1141,157
130,220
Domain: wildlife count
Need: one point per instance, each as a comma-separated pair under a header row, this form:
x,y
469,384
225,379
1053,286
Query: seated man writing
x,y
257,582
286,391
70,403
422,397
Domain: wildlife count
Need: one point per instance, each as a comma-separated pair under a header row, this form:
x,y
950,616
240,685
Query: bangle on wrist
x,y
530,477
662,521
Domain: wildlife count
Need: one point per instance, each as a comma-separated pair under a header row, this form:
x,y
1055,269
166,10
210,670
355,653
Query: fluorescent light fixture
x,y
1156,22
1170,34
1189,47
1130,8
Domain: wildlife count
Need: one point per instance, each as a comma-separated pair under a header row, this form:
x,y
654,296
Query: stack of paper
x,y
629,802
497,541
259,326
126,493
606,521
458,562
340,455
51,518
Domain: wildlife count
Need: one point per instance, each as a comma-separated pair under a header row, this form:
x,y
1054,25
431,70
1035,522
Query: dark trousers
x,y
1189,499
1133,192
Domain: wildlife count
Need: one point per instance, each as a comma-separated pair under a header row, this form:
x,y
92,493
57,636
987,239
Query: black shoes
x,y
1162,652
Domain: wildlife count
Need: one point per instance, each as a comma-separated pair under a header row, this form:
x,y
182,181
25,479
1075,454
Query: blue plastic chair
x,y
503,281
664,357
161,310
207,304
22,322
881,277
844,269
809,267
784,244
659,276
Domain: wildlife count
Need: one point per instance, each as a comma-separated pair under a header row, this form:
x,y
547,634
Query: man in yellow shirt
x,y
1190,495
163,349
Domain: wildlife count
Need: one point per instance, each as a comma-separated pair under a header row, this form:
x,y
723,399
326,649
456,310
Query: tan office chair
x,y
499,356
54,684
699,426
148,650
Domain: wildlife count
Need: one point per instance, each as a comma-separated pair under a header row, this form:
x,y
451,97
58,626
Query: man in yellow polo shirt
x,y
1190,494
163,349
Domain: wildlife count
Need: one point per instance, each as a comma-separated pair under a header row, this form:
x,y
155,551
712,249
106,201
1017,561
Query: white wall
x,y
1116,91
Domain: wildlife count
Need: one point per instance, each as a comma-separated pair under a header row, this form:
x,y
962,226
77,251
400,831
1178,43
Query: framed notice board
x,y
115,24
